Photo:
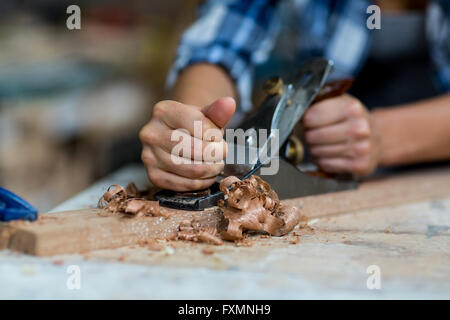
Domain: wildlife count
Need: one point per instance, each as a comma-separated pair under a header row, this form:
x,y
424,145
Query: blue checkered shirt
x,y
239,35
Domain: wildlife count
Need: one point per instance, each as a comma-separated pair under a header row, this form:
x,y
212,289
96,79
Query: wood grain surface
x,y
88,230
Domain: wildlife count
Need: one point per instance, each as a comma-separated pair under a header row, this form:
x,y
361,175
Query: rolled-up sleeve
x,y
236,35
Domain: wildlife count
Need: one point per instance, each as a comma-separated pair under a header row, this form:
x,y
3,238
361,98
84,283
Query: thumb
x,y
220,111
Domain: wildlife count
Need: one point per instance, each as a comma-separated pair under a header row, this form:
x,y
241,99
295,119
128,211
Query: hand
x,y
340,136
158,144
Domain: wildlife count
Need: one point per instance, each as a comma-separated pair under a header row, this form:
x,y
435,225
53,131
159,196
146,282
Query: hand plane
x,y
279,114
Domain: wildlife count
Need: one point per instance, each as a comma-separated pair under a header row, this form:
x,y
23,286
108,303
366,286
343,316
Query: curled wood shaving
x,y
249,205
119,200
252,204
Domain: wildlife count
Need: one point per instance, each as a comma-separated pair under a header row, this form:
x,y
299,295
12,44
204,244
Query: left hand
x,y
340,136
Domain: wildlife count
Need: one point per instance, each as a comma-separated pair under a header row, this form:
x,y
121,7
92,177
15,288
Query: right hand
x,y
168,116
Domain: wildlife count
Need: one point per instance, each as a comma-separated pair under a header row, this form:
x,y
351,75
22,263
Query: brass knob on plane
x,y
294,150
274,86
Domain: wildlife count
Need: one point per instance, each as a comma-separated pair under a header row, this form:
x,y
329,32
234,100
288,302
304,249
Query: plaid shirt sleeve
x,y
234,34
439,34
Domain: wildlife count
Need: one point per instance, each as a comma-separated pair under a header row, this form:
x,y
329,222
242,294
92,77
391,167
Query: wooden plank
x,y
405,241
87,230
381,192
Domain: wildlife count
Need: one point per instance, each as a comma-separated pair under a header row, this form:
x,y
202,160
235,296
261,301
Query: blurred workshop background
x,y
72,101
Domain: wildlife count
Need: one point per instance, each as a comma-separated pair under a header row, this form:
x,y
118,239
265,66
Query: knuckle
x,y
148,135
147,158
142,134
353,107
206,125
360,128
197,115
308,118
155,177
160,109
198,170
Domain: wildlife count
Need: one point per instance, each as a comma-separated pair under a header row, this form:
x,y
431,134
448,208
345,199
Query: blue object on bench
x,y
13,207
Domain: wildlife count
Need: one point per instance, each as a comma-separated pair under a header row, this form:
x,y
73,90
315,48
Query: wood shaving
x,y
295,240
207,251
249,205
188,231
252,204
127,201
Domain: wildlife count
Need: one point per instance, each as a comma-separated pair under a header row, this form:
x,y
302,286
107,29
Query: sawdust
x,y
151,245
249,206
296,240
207,251
189,231
244,243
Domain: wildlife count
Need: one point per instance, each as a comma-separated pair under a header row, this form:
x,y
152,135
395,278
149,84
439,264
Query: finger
x,y
335,165
184,145
167,180
148,157
187,168
331,111
181,116
360,166
221,111
346,131
181,143
347,150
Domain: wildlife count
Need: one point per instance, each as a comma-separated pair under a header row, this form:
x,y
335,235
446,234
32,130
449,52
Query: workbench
x,y
408,243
